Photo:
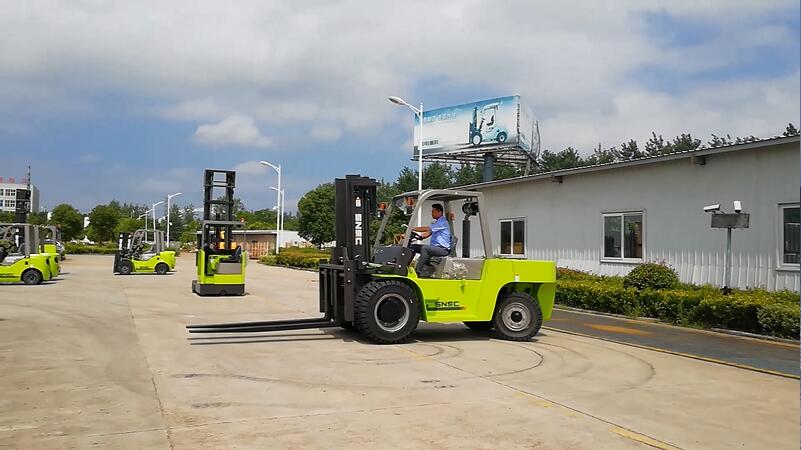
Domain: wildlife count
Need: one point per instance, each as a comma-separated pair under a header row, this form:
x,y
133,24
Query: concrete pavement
x,y
769,356
101,360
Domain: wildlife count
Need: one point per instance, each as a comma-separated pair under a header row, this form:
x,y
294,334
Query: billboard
x,y
486,125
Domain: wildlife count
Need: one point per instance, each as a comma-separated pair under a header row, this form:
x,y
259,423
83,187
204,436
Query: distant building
x,y
608,218
8,194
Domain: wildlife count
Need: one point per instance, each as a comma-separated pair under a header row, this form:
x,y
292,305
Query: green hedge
x,y
305,258
755,311
95,249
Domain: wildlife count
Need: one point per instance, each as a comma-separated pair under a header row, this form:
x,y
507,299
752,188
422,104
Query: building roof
x,y
698,153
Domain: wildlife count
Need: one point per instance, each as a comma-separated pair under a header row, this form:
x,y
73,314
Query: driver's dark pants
x,y
426,252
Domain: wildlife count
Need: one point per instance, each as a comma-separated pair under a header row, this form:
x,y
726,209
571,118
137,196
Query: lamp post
x,y
280,212
419,114
145,216
279,215
169,197
154,219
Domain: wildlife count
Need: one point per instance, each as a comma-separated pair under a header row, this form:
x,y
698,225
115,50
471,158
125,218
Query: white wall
x,y
564,220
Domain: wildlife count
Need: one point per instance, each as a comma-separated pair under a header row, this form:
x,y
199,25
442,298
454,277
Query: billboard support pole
x,y
420,165
488,161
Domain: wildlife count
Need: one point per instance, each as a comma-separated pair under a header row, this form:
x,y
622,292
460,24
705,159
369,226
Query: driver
x,y
440,234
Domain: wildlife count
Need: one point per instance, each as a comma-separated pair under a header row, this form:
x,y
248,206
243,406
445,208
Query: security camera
x,y
738,206
712,208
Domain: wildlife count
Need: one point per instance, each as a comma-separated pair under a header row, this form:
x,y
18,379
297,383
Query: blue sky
x,y
132,101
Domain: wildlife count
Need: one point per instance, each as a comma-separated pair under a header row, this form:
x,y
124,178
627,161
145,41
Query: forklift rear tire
x,y
480,326
386,312
162,268
518,317
126,267
31,277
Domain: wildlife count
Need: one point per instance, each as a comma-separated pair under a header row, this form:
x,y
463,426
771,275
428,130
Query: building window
x,y
11,203
11,192
513,237
789,234
623,236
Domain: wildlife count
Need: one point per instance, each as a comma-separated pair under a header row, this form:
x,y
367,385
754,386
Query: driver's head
x,y
436,211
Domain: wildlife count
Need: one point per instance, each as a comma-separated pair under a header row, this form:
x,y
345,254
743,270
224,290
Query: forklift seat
x,y
236,256
437,261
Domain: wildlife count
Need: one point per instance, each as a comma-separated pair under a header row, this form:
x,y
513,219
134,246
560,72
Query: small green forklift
x,y
220,260
19,259
377,292
135,254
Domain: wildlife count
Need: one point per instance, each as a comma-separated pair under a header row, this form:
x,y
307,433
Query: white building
x,y
8,194
606,219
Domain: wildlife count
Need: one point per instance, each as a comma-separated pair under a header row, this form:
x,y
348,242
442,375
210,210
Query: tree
x,y
129,225
719,141
684,143
601,156
407,180
7,217
39,218
791,130
629,150
656,146
102,222
467,174
436,176
189,235
317,215
68,220
566,159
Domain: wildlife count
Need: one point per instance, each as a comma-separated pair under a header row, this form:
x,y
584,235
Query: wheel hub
x,y
516,317
391,312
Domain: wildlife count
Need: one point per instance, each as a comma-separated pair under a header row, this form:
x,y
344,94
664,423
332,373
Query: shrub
x,y
651,276
306,258
97,249
756,311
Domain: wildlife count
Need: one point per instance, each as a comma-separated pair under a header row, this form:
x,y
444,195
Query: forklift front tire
x,y
31,277
518,317
386,312
162,268
126,267
476,139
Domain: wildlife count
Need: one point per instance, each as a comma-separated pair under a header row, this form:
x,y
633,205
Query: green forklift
x,y
375,290
136,254
220,260
19,257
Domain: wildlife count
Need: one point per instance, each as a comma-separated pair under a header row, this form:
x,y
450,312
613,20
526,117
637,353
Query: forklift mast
x,y
218,210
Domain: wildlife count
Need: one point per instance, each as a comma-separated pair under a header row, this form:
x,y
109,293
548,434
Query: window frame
x,y
512,220
622,214
780,264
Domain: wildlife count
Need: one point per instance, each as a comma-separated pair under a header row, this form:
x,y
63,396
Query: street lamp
x,y
154,219
279,215
169,197
145,216
419,114
280,211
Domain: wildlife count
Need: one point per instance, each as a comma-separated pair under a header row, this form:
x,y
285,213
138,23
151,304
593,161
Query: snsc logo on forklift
x,y
357,220
446,305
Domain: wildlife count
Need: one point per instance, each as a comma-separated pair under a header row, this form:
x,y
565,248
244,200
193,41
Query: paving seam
x,y
644,438
685,355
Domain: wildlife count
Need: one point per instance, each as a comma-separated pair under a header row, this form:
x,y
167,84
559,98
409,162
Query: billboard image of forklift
x,y
498,123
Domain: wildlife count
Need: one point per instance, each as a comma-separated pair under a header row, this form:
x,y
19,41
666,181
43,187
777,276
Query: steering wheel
x,y
414,236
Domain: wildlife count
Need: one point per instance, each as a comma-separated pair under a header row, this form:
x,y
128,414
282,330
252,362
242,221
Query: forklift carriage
x,y
377,292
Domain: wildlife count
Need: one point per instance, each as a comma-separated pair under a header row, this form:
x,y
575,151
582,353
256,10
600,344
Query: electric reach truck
x,y
220,260
372,287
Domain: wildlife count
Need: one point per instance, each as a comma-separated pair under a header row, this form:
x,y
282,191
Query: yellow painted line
x,y
643,439
686,355
616,329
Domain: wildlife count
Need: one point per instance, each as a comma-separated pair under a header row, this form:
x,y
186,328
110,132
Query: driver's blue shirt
x,y
441,233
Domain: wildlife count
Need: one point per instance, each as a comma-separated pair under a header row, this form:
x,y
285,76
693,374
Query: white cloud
x,y
326,133
240,131
314,63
